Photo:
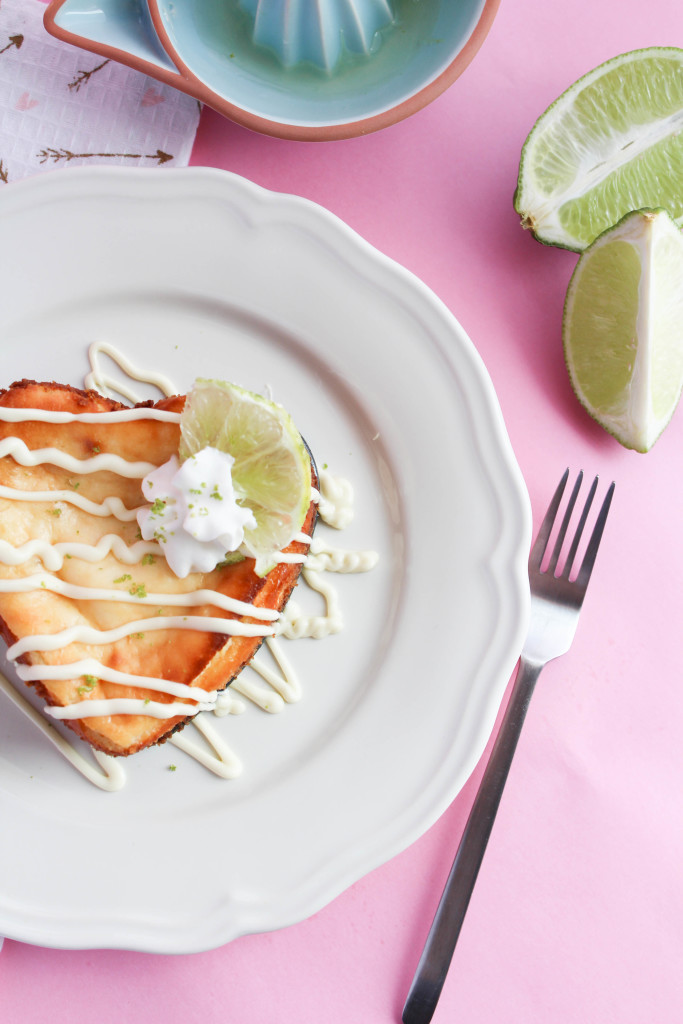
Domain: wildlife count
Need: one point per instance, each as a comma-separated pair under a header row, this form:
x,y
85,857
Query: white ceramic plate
x,y
204,274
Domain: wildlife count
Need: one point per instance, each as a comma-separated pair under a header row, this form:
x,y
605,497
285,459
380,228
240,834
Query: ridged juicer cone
x,y
318,31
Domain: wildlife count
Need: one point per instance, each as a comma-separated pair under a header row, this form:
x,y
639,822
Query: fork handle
x,y
443,935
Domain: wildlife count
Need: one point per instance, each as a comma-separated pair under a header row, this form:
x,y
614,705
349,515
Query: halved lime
x,y
272,469
622,327
612,143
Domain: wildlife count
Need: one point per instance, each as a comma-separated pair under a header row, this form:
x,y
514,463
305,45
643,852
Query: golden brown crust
x,y
206,660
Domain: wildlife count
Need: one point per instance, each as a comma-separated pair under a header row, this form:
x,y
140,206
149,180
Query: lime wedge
x,y
272,469
622,327
612,143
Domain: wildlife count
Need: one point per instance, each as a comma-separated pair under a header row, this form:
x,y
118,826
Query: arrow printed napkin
x,y
61,105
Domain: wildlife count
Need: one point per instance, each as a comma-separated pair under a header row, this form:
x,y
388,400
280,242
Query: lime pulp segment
x,y
603,321
621,331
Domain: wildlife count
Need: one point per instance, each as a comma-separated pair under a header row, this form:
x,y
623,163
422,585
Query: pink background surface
x,y
578,911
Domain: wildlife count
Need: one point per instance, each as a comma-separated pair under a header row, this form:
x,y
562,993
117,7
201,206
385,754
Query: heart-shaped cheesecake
x,y
80,588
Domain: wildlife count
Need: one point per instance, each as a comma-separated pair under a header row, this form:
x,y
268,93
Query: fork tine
x,y
594,542
579,530
554,558
541,542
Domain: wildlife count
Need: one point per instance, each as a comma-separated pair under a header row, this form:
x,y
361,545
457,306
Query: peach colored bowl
x,y
206,49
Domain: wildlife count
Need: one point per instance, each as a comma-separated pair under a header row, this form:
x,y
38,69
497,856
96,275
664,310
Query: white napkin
x,y
60,105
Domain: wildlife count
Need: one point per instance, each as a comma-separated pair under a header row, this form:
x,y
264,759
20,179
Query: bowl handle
x,y
126,36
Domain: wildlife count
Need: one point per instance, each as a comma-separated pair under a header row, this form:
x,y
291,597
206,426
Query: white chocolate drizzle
x,y
192,598
109,507
93,667
90,635
336,500
323,558
53,555
296,624
98,380
112,776
21,415
222,762
25,456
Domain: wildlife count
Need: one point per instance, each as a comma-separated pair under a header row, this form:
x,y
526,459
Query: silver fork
x,y
555,605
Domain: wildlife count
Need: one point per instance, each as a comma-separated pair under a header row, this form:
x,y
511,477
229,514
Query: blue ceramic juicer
x,y
310,70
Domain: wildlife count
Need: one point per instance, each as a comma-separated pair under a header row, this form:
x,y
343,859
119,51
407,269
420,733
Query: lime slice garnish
x,y
612,143
622,327
272,469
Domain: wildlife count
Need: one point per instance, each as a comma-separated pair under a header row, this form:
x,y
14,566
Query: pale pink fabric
x,y
61,106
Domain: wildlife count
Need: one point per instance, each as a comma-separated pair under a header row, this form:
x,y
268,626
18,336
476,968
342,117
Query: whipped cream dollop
x,y
194,513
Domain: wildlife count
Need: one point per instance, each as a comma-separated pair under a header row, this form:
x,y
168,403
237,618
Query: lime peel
x,y
621,328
